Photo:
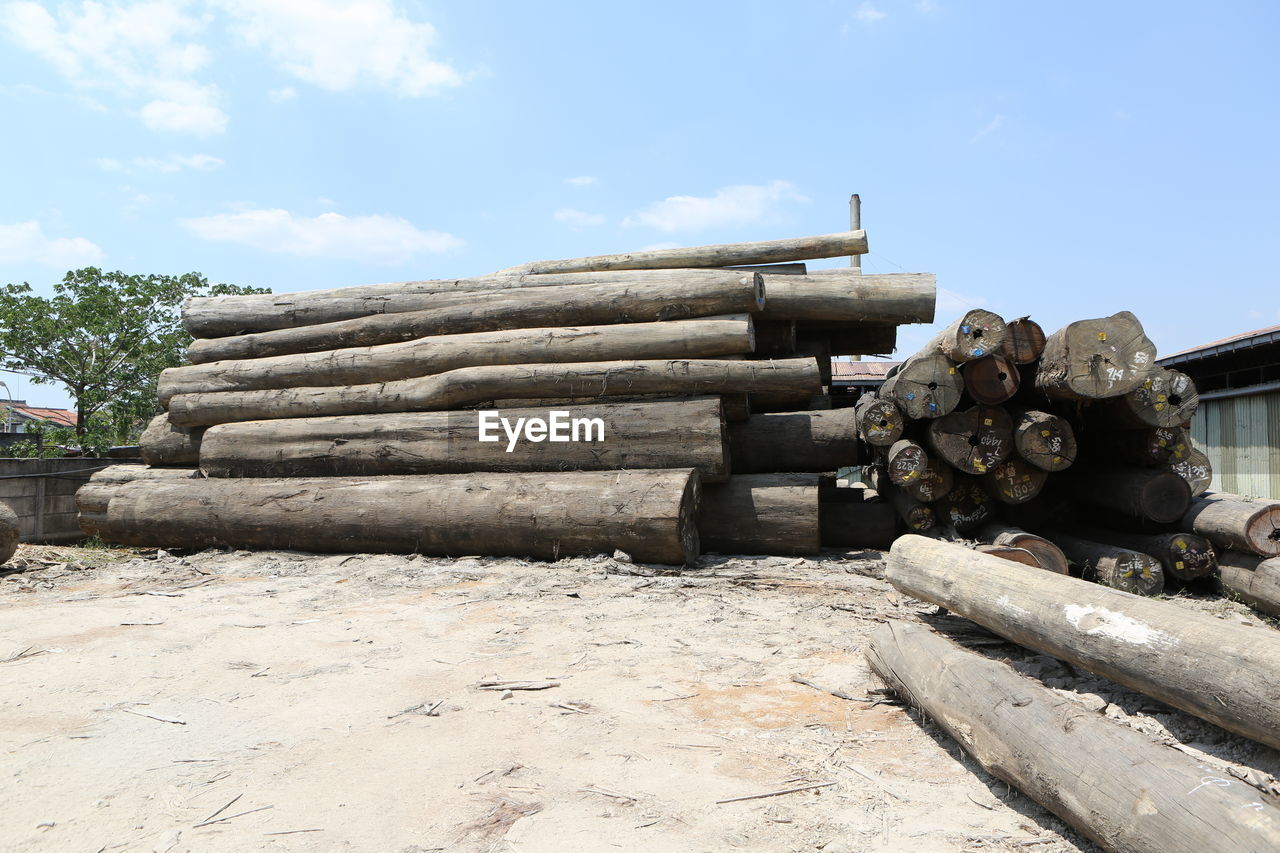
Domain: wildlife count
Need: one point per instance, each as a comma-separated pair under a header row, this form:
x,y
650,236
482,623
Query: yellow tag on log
x,y
1045,433
987,422
1178,564
1102,336
953,370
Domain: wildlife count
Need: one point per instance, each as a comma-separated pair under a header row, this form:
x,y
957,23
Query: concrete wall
x,y
42,493
1241,437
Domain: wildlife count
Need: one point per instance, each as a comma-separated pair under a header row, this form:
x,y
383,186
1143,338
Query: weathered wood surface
x,y
972,335
651,515
966,507
933,483
1024,341
924,386
705,337
10,534
1046,441
760,514
1096,359
915,514
596,437
494,310
817,441
1048,555
1184,556
725,254
1014,481
1225,673
974,440
166,445
472,385
1111,565
905,462
1236,522
734,406
1152,494
879,422
846,296
1196,469
991,379
1164,398
1021,556
1114,784
1254,580
128,473
858,524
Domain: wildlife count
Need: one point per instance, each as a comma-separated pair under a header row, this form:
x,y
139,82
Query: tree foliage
x,y
104,335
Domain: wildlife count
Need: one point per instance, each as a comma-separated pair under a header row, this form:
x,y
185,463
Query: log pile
x,y
660,403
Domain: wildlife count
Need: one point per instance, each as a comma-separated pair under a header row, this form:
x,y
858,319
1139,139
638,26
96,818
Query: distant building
x,y
1238,423
854,378
18,416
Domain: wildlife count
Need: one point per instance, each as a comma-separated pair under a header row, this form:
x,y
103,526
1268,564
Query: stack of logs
x,y
351,419
1071,448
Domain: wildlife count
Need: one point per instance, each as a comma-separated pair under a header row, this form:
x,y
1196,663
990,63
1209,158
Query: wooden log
x,y
1160,446
1196,469
990,380
760,514
820,352
916,515
879,421
1021,556
166,445
1048,555
1164,398
10,533
974,334
1014,481
91,523
1023,341
933,483
854,339
770,403
905,462
1046,441
924,386
775,337
1110,565
780,269
966,507
700,338
975,440
124,451
596,437
727,254
794,441
1095,359
472,385
1152,494
117,474
1116,785
846,296
1184,556
1252,579
495,310
858,524
1236,522
734,406
650,515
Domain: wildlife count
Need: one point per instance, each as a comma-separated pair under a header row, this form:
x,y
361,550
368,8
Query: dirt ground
x,y
282,701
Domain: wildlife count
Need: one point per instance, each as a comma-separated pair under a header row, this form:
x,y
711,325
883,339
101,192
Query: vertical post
x,y
855,224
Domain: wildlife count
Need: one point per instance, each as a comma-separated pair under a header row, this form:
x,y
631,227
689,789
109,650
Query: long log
x,y
1225,673
1024,341
1114,784
846,296
649,514
725,254
1046,441
879,421
1014,481
816,441
1184,556
1153,494
1236,522
1048,555
972,335
1110,565
1095,359
975,440
991,379
166,445
597,437
924,386
761,514
10,533
1254,580
1196,469
468,386
734,406
699,338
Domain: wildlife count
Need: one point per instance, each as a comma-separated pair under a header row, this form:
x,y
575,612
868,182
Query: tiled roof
x,y
853,371
62,417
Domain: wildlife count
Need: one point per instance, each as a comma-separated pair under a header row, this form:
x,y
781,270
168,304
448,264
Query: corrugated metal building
x,y
1238,423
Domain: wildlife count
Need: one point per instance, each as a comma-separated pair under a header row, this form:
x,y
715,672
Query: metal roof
x,y
1246,340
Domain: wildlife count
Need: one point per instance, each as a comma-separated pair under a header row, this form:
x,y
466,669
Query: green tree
x,y
105,336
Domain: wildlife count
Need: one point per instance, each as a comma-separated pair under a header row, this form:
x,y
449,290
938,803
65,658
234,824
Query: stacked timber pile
x,y
660,403
1067,447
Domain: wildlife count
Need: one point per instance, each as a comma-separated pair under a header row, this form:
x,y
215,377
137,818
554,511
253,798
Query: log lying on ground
x,y
1184,556
1153,494
879,421
761,514
10,534
817,441
117,474
700,338
1110,565
991,379
975,440
597,437
924,386
649,514
1014,481
1254,580
734,406
905,461
1048,555
494,310
1046,441
166,445
1023,341
1225,673
218,316
1112,783
846,296
471,385
975,334
1164,398
1236,522
1094,359
1196,469
726,254
93,498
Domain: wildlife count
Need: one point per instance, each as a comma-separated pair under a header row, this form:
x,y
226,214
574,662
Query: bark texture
x,y
761,514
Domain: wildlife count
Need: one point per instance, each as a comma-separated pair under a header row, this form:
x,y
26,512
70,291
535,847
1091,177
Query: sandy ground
x,y
290,702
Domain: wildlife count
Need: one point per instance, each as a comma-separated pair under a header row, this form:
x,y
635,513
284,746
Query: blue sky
x,y
1057,160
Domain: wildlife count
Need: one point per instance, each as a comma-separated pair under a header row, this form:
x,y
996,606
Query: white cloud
x,y
376,239
172,163
868,13
927,7
342,44
578,218
140,52
581,181
284,93
25,242
736,205
992,127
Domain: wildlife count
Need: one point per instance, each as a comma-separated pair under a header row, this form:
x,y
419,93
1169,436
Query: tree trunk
x,y
1232,521
1014,481
975,440
846,296
727,254
118,474
924,386
1048,555
879,421
471,385
990,380
1023,341
1252,579
1046,441
975,334
1183,556
623,436
166,445
1196,469
1095,359
1115,785
649,514
817,441
734,406
1110,565
916,515
934,482
1225,673
966,507
1164,398
10,533
905,461
1151,494
760,514
701,338
495,310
